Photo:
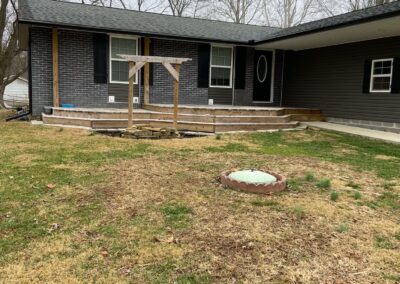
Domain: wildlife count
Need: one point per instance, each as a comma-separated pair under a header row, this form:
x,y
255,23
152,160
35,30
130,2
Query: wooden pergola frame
x,y
136,62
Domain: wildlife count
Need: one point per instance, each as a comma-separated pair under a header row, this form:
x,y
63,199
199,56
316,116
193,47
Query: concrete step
x,y
96,123
217,110
145,114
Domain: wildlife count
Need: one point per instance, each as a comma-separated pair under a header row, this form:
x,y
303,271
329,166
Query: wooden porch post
x,y
146,72
130,96
56,96
176,96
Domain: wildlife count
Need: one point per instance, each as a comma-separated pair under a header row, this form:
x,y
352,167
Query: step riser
x,y
200,111
169,116
67,121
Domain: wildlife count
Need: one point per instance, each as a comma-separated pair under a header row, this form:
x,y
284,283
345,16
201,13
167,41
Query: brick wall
x,y
42,74
162,90
77,71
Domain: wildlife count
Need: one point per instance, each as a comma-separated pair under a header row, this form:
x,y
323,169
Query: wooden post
x,y
56,95
130,96
176,96
146,72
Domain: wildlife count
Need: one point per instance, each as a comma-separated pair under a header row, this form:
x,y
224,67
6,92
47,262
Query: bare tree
x,y
361,4
237,11
288,13
12,60
178,7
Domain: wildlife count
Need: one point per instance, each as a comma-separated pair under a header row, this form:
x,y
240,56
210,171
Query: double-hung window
x,y
381,75
120,44
221,67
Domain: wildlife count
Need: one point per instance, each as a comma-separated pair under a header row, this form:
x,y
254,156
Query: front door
x,y
262,76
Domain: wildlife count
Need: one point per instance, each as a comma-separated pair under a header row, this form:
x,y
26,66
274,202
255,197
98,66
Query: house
x,y
16,93
347,66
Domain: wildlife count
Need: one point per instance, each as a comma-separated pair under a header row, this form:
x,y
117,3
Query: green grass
x,y
334,196
383,242
177,215
324,184
310,177
357,195
229,148
298,212
361,157
343,227
109,196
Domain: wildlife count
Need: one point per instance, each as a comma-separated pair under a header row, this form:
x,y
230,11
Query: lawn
x,y
76,207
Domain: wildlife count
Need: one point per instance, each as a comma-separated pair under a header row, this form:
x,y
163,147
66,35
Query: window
x,y
118,66
221,67
381,75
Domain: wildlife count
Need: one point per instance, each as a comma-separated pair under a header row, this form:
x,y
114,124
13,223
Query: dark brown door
x,y
262,75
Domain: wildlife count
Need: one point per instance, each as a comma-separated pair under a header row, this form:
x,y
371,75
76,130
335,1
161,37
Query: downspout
x,y
282,75
233,76
30,70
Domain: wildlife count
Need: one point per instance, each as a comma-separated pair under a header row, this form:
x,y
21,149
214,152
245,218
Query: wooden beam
x,y
154,59
56,95
172,70
135,69
176,96
146,86
130,96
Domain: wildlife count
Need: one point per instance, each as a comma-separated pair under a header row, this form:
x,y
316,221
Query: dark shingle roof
x,y
113,19
367,14
143,23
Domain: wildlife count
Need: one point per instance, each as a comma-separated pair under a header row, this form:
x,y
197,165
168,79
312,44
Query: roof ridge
x,y
161,14
344,14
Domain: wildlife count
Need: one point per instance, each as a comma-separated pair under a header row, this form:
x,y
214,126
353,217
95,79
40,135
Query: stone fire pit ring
x,y
262,188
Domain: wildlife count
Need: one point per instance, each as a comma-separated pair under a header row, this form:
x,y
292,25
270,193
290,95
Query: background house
x,y
16,94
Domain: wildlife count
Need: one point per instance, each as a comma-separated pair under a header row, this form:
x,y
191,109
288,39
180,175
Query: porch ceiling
x,y
387,27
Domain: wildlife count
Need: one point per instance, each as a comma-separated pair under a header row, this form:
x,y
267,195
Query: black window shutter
x,y
100,58
367,76
240,67
151,65
203,64
396,76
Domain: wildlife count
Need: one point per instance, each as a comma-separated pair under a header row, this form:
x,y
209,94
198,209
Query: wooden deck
x,y
212,119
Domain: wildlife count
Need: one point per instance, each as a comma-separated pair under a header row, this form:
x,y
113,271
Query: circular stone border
x,y
277,186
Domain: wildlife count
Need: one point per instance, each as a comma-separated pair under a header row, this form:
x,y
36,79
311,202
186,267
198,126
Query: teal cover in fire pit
x,y
253,176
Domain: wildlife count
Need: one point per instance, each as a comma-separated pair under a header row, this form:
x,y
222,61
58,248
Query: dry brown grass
x,y
230,236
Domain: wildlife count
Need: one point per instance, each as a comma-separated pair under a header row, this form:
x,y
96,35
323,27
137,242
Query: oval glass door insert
x,y
262,69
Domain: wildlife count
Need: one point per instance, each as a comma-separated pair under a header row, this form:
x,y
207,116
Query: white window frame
x,y
221,66
111,36
373,76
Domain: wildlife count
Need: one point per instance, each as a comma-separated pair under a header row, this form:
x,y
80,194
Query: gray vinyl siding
x,y
331,79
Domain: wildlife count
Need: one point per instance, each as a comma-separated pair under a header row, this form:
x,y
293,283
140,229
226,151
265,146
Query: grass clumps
x,y
177,215
383,242
324,184
310,177
357,195
334,196
298,212
343,227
